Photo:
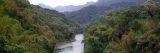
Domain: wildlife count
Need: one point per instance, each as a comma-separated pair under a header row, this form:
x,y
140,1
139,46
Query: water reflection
x,y
73,47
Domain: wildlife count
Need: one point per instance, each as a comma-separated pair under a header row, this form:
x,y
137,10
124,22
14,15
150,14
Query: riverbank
x,y
63,43
75,46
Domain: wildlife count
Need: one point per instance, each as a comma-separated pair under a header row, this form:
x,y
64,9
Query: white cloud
x,y
54,3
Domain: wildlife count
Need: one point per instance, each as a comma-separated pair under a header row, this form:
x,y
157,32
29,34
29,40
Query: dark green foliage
x,y
132,30
62,29
2,44
25,28
90,13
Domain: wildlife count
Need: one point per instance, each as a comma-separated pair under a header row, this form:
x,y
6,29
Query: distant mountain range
x,y
69,8
109,2
45,6
84,14
88,14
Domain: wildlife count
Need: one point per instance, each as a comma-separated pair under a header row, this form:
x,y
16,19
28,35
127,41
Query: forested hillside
x,y
111,26
72,8
88,14
132,30
26,28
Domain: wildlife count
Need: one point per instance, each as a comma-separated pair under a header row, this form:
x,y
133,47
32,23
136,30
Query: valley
x,y
102,26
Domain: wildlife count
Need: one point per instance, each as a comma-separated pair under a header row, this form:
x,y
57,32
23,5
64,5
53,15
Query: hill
x,y
69,8
25,28
88,14
132,30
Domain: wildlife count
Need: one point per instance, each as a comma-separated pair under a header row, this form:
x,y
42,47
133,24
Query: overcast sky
x,y
54,3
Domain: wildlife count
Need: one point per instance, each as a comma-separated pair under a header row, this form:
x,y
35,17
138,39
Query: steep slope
x,y
26,28
45,6
71,8
89,13
61,27
132,30
108,2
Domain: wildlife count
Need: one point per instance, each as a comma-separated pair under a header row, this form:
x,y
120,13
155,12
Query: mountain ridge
x,y
91,12
69,8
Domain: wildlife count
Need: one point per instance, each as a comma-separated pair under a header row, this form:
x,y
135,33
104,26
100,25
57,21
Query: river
x,y
76,46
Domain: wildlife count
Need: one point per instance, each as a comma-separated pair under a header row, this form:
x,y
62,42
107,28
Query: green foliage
x,y
93,41
133,30
62,29
9,27
91,12
26,28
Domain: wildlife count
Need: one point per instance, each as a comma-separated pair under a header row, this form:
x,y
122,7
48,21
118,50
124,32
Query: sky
x,y
54,3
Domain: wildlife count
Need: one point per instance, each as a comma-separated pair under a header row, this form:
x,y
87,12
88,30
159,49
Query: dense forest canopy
x,y
91,12
132,30
25,28
122,26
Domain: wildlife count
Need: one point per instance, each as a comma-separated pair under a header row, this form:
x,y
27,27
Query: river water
x,y
76,46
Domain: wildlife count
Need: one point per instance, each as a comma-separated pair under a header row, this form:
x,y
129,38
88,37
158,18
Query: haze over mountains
x,y
69,8
106,26
108,2
99,8
45,6
92,10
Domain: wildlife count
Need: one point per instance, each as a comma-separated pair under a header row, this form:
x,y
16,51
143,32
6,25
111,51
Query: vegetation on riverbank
x,y
132,30
25,28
